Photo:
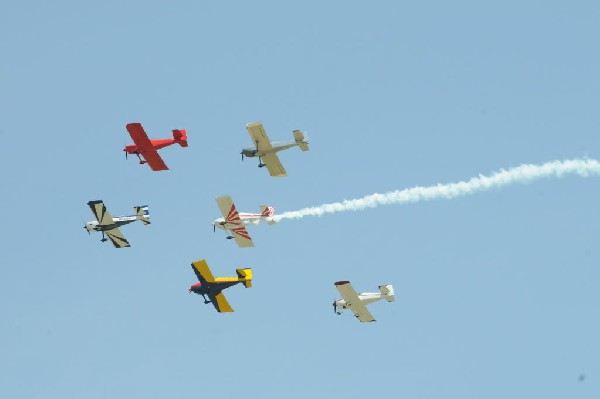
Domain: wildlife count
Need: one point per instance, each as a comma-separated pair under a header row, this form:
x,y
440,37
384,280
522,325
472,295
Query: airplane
x,y
267,150
109,226
148,148
235,222
356,302
212,287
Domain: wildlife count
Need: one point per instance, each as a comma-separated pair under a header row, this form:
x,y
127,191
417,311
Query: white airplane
x,y
267,150
235,222
357,302
109,226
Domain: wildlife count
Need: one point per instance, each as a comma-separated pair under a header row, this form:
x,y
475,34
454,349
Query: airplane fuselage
x,y
213,288
94,226
245,219
156,144
365,298
277,146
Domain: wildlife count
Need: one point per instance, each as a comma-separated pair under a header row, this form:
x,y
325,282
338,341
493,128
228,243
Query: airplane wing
x,y
242,237
100,212
202,271
259,136
274,165
232,216
228,210
220,302
353,302
154,160
117,238
145,147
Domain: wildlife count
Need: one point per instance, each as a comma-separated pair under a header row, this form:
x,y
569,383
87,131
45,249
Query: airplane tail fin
x,y
246,275
300,140
267,211
180,137
388,292
142,214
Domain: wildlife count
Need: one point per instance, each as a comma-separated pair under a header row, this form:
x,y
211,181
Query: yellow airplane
x,y
212,287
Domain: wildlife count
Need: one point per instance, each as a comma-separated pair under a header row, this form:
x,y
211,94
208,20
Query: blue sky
x,y
496,292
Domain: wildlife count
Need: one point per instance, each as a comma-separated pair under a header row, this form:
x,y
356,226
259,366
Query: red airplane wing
x,y
139,137
154,160
145,147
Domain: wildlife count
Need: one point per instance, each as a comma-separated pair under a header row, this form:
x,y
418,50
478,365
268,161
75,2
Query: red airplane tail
x,y
180,137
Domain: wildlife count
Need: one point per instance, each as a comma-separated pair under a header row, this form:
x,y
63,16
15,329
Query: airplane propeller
x,y
125,153
334,307
214,228
242,155
87,230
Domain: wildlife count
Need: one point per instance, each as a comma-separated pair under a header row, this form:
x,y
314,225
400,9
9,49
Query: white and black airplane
x,y
266,150
357,302
109,226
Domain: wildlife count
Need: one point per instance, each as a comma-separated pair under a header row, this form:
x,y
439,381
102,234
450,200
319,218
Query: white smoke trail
x,y
521,174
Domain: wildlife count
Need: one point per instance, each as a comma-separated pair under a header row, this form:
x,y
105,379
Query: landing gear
x,y
229,237
103,238
261,164
206,301
141,160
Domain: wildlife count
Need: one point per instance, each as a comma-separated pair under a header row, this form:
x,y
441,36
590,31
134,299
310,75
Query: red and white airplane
x,y
148,148
235,222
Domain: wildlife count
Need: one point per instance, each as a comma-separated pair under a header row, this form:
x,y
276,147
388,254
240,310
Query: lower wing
x,y
220,302
242,237
274,165
361,312
154,160
117,238
353,302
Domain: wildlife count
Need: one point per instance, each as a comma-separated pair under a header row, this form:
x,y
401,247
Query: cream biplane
x,y
357,302
266,150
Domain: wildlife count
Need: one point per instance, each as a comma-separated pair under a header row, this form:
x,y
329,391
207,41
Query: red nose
x,y
194,286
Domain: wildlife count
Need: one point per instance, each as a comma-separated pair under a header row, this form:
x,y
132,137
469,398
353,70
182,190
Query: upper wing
x,y
227,208
117,238
202,271
242,237
353,302
139,136
259,136
220,302
274,165
145,147
100,212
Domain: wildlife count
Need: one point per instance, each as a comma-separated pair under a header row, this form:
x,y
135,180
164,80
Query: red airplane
x,y
148,148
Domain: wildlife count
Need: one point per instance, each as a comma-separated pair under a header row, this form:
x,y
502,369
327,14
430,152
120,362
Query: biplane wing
x,y
353,302
117,238
274,165
145,147
203,271
242,238
220,302
228,210
232,216
259,136
101,213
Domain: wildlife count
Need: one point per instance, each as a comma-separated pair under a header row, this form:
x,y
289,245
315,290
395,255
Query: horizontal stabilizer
x,y
300,140
180,136
142,213
387,291
245,274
